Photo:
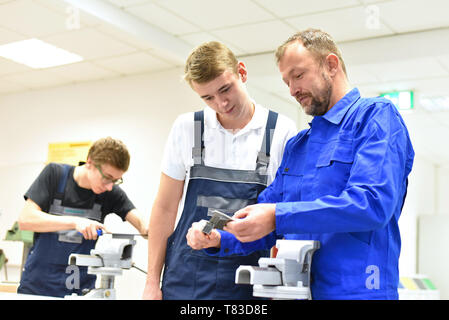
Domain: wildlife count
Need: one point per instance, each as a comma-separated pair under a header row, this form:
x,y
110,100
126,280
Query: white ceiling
x,y
406,48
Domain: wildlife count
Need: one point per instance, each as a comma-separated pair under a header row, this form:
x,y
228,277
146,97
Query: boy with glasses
x,y
65,198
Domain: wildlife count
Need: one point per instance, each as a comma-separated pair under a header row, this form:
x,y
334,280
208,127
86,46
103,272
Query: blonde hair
x,y
110,151
318,42
208,61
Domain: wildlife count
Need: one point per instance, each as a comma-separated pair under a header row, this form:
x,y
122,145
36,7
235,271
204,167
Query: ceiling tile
x,y
215,14
374,1
126,3
273,84
408,69
90,44
7,67
161,55
435,86
359,24
258,37
7,86
198,38
38,79
444,60
262,65
162,19
7,36
289,8
31,19
83,71
412,15
124,36
66,10
361,75
133,63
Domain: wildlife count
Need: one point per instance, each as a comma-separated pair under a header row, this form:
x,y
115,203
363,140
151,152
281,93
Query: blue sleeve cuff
x,y
227,241
278,214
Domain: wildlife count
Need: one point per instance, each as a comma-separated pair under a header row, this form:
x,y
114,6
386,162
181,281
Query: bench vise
x,y
107,260
285,277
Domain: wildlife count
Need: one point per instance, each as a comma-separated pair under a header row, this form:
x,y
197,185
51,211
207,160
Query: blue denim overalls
x,y
191,274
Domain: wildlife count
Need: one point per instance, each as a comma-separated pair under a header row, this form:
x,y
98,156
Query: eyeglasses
x,y
107,180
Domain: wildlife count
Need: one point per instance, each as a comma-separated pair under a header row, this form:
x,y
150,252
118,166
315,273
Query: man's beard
x,y
319,105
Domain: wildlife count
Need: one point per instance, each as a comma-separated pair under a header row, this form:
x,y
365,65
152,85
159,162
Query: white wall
x,y
139,110
433,235
442,183
419,201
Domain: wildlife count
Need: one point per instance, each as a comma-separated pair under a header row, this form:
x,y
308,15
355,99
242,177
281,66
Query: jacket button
x,y
286,170
226,250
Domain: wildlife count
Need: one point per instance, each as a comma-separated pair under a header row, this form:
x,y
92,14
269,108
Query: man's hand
x,y
198,240
88,228
253,222
152,291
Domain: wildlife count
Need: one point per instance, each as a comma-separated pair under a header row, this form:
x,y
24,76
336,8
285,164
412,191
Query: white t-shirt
x,y
224,149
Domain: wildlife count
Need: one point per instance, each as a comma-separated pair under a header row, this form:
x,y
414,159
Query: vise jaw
x,y
285,277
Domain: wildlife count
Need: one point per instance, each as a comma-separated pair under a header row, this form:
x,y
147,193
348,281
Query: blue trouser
x,y
45,272
191,274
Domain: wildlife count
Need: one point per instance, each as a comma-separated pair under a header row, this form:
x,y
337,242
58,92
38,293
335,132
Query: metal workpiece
x,y
285,277
217,221
110,256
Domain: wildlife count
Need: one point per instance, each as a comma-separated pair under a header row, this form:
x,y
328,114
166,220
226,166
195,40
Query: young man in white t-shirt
x,y
218,158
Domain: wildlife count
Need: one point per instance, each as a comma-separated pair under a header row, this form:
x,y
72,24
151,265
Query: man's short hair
x,y
208,61
318,42
110,151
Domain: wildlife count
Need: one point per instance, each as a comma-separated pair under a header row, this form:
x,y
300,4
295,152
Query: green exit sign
x,y
403,100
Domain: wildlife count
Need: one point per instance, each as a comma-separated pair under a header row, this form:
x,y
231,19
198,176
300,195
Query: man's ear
x,y
243,73
332,63
89,163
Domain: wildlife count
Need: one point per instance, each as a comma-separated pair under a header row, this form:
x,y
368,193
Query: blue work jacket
x,y
343,182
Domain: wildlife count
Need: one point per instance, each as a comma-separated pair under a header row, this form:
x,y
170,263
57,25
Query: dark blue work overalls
x,y
45,271
192,274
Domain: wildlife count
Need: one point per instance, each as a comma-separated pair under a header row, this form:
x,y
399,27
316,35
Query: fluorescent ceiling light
x,y
37,54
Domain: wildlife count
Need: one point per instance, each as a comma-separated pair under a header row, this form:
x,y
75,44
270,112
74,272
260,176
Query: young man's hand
x,y
88,228
198,240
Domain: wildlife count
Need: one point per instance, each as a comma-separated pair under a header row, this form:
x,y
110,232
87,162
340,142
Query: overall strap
x,y
57,208
63,176
263,158
198,146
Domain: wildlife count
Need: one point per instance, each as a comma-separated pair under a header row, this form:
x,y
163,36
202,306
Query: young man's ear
x,y
243,74
88,163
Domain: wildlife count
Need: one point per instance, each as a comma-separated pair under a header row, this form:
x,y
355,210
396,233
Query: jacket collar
x,y
336,114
